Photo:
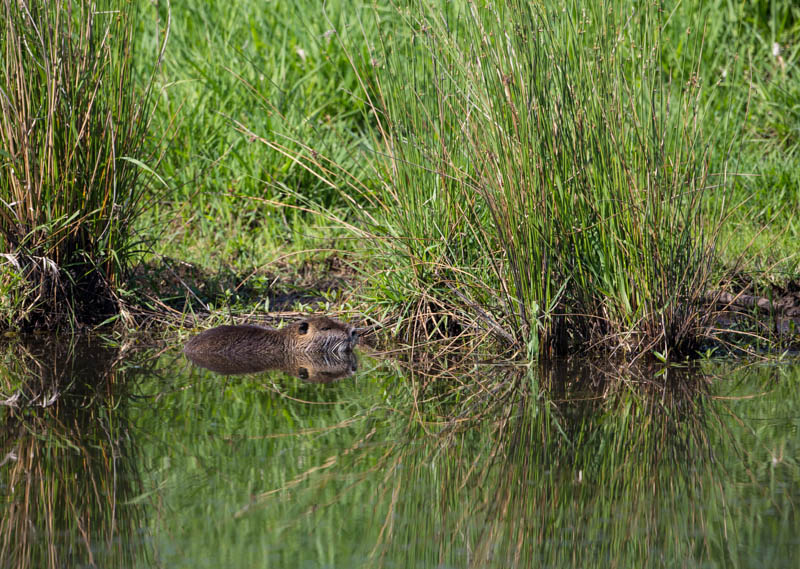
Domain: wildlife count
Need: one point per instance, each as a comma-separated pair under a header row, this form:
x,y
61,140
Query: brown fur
x,y
313,335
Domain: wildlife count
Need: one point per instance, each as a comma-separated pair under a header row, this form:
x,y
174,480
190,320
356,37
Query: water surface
x,y
124,457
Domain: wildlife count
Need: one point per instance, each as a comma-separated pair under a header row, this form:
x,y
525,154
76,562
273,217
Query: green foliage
x,y
750,64
553,176
759,51
14,291
248,93
545,166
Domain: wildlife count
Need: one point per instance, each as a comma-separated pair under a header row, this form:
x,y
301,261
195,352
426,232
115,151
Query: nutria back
x,y
313,335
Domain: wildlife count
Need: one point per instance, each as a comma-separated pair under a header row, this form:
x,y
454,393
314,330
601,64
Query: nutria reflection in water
x,y
317,349
311,367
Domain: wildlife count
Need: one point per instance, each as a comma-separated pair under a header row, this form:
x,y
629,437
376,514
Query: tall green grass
x,y
73,137
610,130
547,166
762,39
246,93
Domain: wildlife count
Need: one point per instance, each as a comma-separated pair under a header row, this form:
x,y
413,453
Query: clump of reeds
x,y
547,174
72,131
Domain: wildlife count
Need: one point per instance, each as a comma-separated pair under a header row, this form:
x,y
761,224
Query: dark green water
x,y
119,457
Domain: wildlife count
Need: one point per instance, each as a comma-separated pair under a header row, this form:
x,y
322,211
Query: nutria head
x,y
321,334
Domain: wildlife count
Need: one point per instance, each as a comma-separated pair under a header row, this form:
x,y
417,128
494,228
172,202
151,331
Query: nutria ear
x,y
302,373
303,328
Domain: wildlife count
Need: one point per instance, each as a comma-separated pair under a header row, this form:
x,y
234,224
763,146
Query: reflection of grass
x,y
69,466
215,444
638,472
472,467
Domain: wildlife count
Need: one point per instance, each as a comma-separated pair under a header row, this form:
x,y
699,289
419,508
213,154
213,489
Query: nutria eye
x,y
303,327
302,373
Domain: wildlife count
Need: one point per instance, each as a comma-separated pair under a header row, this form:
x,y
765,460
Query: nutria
x,y
313,335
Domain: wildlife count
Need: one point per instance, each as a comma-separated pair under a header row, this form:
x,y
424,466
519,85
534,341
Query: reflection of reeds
x,y
484,465
69,461
610,467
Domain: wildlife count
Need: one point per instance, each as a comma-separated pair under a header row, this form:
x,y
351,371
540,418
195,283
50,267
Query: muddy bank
x,y
783,300
175,285
167,292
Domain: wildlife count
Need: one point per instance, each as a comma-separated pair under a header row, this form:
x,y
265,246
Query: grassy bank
x,y
555,179
753,47
246,94
577,177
